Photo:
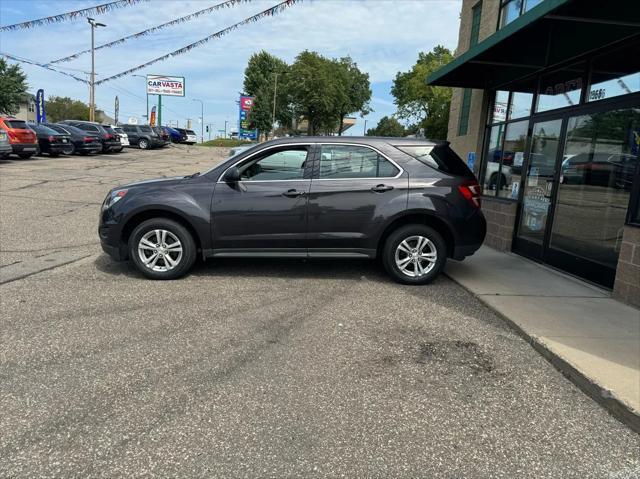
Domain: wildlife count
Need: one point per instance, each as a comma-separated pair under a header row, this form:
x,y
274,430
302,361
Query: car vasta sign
x,y
165,85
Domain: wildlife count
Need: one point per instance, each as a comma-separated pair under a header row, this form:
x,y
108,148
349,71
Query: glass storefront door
x,y
579,173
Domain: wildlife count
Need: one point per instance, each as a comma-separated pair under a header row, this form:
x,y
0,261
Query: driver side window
x,y
286,164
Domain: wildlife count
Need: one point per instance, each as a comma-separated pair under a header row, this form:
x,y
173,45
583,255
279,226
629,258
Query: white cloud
x,y
382,36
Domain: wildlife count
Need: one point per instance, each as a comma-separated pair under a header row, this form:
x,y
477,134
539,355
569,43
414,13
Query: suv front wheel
x,y
414,254
162,249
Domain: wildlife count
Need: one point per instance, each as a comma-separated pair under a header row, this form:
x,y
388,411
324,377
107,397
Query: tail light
x,y
51,139
108,136
88,139
12,136
471,191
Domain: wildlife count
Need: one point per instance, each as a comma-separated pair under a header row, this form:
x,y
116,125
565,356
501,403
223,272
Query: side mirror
x,y
232,175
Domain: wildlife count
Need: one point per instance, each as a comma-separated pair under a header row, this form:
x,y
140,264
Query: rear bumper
x,y
469,236
18,148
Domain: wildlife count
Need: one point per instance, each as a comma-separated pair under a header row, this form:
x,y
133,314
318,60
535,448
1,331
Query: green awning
x,y
553,33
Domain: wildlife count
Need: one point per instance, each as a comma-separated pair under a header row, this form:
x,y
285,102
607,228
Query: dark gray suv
x,y
413,203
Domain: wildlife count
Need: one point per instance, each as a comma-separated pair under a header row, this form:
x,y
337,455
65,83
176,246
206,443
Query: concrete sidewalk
x,y
589,337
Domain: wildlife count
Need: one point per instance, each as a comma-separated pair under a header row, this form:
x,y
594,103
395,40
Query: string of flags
x,y
269,12
186,18
41,65
74,15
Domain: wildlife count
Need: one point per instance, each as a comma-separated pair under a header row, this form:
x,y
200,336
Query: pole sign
x,y
244,133
41,116
165,85
116,109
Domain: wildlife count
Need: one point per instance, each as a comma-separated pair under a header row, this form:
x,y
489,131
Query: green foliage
x,y
225,142
64,108
260,82
13,86
355,91
417,101
387,126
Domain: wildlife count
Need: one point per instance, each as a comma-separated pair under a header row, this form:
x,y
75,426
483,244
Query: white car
x,y
124,138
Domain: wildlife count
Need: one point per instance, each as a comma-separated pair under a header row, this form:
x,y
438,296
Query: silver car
x,y
5,146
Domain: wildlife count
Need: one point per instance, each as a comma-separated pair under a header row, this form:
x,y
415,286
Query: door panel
x,y
357,189
267,208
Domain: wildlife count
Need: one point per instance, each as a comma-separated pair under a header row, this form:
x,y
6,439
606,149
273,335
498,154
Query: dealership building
x,y
546,109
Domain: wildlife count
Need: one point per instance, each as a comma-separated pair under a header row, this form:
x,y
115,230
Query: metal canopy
x,y
553,34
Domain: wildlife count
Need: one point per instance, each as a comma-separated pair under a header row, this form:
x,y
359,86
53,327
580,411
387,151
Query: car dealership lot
x,y
258,367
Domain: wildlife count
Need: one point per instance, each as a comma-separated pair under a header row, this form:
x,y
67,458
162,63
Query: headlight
x,y
112,198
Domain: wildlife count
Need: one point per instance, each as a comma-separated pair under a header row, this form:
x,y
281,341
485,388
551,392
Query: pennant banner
x,y
42,65
186,18
63,17
265,13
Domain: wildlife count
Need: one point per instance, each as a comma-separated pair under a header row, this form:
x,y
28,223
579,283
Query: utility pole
x,y
201,119
225,128
365,128
273,117
92,92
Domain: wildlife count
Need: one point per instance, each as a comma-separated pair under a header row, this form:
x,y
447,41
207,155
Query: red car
x,y
22,138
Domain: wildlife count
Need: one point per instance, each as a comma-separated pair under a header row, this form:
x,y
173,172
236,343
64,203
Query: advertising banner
x,y
152,120
244,132
41,115
165,85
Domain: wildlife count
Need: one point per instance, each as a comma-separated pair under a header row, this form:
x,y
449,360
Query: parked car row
x,y
25,138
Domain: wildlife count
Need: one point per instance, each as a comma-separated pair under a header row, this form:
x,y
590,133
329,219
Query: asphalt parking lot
x,y
259,368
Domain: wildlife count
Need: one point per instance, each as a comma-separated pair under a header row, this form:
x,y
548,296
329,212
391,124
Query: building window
x,y
476,15
512,9
463,126
561,88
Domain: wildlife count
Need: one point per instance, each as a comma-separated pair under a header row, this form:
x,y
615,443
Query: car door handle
x,y
293,193
381,188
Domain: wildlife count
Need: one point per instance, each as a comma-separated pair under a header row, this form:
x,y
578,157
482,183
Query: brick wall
x,y
627,284
501,219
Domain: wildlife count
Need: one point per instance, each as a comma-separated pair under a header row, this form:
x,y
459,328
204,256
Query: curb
x,y
606,398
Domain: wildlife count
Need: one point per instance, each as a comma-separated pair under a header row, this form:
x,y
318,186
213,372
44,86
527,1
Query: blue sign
x,y
244,123
471,159
41,116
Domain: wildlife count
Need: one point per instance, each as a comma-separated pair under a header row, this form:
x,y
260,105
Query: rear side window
x,y
18,124
191,132
86,127
440,157
58,129
110,130
345,161
145,129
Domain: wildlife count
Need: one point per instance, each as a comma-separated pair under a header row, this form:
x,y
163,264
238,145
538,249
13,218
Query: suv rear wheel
x,y
414,254
162,249
143,144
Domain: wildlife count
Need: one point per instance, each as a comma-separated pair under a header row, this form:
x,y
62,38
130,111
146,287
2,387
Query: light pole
x,y
273,117
201,119
225,128
365,128
92,93
147,93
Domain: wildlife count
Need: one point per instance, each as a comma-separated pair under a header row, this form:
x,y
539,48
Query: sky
x,y
382,36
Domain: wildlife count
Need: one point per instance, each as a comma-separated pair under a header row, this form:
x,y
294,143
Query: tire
x,y
70,149
25,156
54,155
143,144
410,235
174,231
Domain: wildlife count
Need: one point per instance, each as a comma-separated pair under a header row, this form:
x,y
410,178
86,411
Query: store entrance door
x,y
538,188
577,183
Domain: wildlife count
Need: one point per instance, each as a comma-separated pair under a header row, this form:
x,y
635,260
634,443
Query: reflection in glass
x,y
492,162
538,186
529,4
508,179
511,11
520,105
500,106
559,95
622,85
598,169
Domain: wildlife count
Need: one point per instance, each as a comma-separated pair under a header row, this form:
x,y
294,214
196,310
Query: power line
x,y
61,17
265,13
186,18
41,65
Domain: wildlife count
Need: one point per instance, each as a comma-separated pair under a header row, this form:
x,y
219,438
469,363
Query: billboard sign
x,y
165,85
244,132
41,116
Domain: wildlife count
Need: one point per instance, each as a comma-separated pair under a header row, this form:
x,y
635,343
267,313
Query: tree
x,y
417,101
315,91
387,126
64,108
13,87
260,82
354,90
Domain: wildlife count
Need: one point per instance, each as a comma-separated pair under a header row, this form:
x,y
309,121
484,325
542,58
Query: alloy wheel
x,y
160,250
416,256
